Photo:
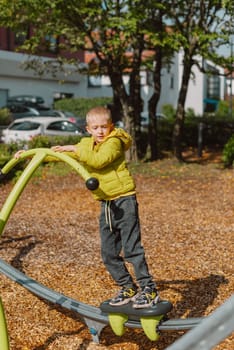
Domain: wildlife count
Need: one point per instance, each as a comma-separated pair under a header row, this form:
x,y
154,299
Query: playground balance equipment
x,y
93,317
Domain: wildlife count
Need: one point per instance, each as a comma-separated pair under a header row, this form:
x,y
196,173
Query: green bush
x,y
228,153
217,130
169,111
47,141
6,152
165,128
190,113
223,109
80,106
5,116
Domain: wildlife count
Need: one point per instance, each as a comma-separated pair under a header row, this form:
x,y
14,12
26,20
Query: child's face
x,y
99,127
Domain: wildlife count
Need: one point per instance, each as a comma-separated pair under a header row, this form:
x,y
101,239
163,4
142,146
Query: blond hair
x,y
97,112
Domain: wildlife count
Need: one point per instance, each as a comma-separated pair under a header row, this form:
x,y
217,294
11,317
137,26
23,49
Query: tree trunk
x,y
152,106
126,110
132,154
130,103
177,136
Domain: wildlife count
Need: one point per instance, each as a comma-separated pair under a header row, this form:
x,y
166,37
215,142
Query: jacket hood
x,y
123,136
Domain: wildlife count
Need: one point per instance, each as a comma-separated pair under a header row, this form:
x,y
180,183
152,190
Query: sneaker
x,y
146,298
124,296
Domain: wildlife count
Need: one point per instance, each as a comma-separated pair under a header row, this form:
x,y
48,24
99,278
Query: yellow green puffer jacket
x,y
106,162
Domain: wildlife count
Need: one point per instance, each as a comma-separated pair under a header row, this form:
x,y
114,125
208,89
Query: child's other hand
x,y
17,154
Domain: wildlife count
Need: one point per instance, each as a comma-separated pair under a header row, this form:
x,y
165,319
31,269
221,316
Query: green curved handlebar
x,y
38,155
4,340
43,153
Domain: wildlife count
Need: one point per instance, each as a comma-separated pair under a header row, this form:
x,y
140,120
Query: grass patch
x,y
57,169
171,167
164,168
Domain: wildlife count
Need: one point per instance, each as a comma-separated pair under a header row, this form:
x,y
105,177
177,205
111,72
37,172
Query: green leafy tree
x,y
113,30
199,28
118,32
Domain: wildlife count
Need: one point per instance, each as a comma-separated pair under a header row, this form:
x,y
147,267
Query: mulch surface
x,y
52,236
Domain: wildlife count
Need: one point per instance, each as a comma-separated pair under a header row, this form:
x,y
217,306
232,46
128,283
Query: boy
x,y
103,154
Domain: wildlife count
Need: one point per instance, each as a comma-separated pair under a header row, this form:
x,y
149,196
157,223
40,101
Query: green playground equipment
x,y
38,155
4,340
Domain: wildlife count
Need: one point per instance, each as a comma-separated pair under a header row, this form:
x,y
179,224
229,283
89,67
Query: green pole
x,y
19,186
4,340
37,155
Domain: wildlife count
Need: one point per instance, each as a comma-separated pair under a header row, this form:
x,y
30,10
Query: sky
x,y
226,50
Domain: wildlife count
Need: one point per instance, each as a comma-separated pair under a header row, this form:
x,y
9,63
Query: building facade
x,y
203,93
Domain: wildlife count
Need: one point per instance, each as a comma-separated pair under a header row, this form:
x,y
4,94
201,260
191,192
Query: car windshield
x,y
25,125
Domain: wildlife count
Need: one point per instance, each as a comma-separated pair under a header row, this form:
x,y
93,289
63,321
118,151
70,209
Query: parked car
x,y
25,105
24,129
58,113
81,122
19,110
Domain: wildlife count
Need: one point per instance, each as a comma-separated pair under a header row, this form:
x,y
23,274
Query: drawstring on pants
x,y
108,214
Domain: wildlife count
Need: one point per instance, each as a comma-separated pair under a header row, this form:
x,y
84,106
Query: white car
x,y
24,129
81,122
57,113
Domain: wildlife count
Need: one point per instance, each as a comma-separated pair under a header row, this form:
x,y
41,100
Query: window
x,y
61,95
213,84
17,108
172,82
21,36
62,126
52,43
213,87
26,125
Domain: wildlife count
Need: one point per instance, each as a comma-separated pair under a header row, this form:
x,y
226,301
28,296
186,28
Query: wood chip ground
x,y
187,220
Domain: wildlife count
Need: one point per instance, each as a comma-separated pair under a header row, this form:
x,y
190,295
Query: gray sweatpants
x,y
121,240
